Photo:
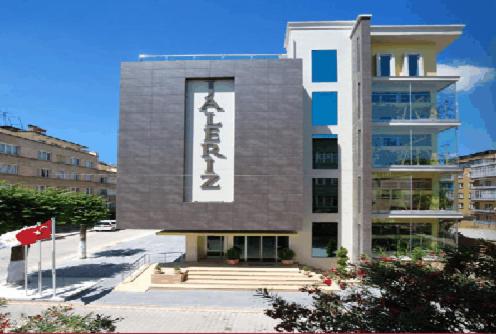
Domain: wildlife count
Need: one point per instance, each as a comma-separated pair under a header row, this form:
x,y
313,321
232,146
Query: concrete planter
x,y
175,278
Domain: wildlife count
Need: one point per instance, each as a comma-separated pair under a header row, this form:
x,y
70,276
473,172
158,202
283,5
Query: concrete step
x,y
253,277
242,273
246,269
184,286
260,283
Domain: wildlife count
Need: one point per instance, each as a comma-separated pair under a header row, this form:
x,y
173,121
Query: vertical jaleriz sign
x,y
209,149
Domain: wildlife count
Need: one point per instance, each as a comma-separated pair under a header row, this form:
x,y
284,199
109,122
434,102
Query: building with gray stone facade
x,y
302,150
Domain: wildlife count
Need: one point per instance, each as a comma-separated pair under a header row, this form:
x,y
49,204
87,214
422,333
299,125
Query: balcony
x,y
415,149
419,100
482,171
409,197
493,211
146,57
485,222
484,195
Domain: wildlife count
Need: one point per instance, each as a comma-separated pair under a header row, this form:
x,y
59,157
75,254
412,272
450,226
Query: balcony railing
x,y
146,57
485,222
484,195
411,194
483,171
419,147
413,101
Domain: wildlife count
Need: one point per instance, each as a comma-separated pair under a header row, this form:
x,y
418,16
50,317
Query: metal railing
x,y
147,57
167,257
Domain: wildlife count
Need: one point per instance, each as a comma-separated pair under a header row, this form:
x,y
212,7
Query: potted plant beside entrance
x,y
286,255
233,254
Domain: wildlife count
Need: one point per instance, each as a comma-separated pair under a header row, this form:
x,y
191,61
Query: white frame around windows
x,y
44,173
73,159
14,150
44,155
392,64
406,64
8,169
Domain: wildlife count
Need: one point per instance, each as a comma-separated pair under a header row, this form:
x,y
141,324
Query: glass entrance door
x,y
257,248
253,248
215,246
268,249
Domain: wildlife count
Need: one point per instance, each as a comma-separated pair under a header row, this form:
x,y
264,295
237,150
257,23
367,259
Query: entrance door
x,y
253,248
215,246
268,249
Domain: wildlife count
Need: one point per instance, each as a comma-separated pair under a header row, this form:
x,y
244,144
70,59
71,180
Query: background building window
x,y
325,195
44,172
325,151
75,161
42,155
324,66
324,108
9,149
8,169
88,164
324,236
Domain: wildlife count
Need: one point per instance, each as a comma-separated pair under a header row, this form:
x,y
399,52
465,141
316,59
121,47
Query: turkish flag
x,y
30,235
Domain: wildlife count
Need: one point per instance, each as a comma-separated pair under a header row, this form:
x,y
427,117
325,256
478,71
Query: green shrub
x,y
286,254
418,253
233,253
331,248
61,319
342,263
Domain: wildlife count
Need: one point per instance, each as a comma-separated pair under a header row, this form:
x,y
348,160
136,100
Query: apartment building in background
x,y
477,190
36,160
348,139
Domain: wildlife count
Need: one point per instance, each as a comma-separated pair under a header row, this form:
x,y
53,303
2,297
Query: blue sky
x,y
59,60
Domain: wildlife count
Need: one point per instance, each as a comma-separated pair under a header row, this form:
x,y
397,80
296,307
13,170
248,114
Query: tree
x,y
21,207
402,297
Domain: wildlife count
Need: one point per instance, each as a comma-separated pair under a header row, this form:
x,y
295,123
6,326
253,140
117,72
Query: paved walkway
x,y
167,319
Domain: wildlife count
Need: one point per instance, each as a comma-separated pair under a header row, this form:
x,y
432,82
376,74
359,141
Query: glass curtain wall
x,y
392,192
409,146
400,237
413,100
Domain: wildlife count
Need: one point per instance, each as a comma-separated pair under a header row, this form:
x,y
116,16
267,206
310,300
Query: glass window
x,y
8,169
44,172
385,65
42,155
413,65
324,108
325,151
324,239
325,195
75,161
324,66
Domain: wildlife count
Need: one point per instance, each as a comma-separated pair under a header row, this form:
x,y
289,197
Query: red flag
x,y
32,234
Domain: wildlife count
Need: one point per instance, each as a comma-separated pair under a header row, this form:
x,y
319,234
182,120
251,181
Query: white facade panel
x,y
210,115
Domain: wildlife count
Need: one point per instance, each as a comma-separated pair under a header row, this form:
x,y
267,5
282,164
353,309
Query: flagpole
x,y
26,269
39,266
54,270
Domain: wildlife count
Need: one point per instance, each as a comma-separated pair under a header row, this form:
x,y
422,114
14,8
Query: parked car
x,y
106,225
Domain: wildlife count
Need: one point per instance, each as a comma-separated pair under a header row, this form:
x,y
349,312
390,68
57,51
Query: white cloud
x,y
471,76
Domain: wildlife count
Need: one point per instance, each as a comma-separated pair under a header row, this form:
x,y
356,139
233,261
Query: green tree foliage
x,y
21,207
403,297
